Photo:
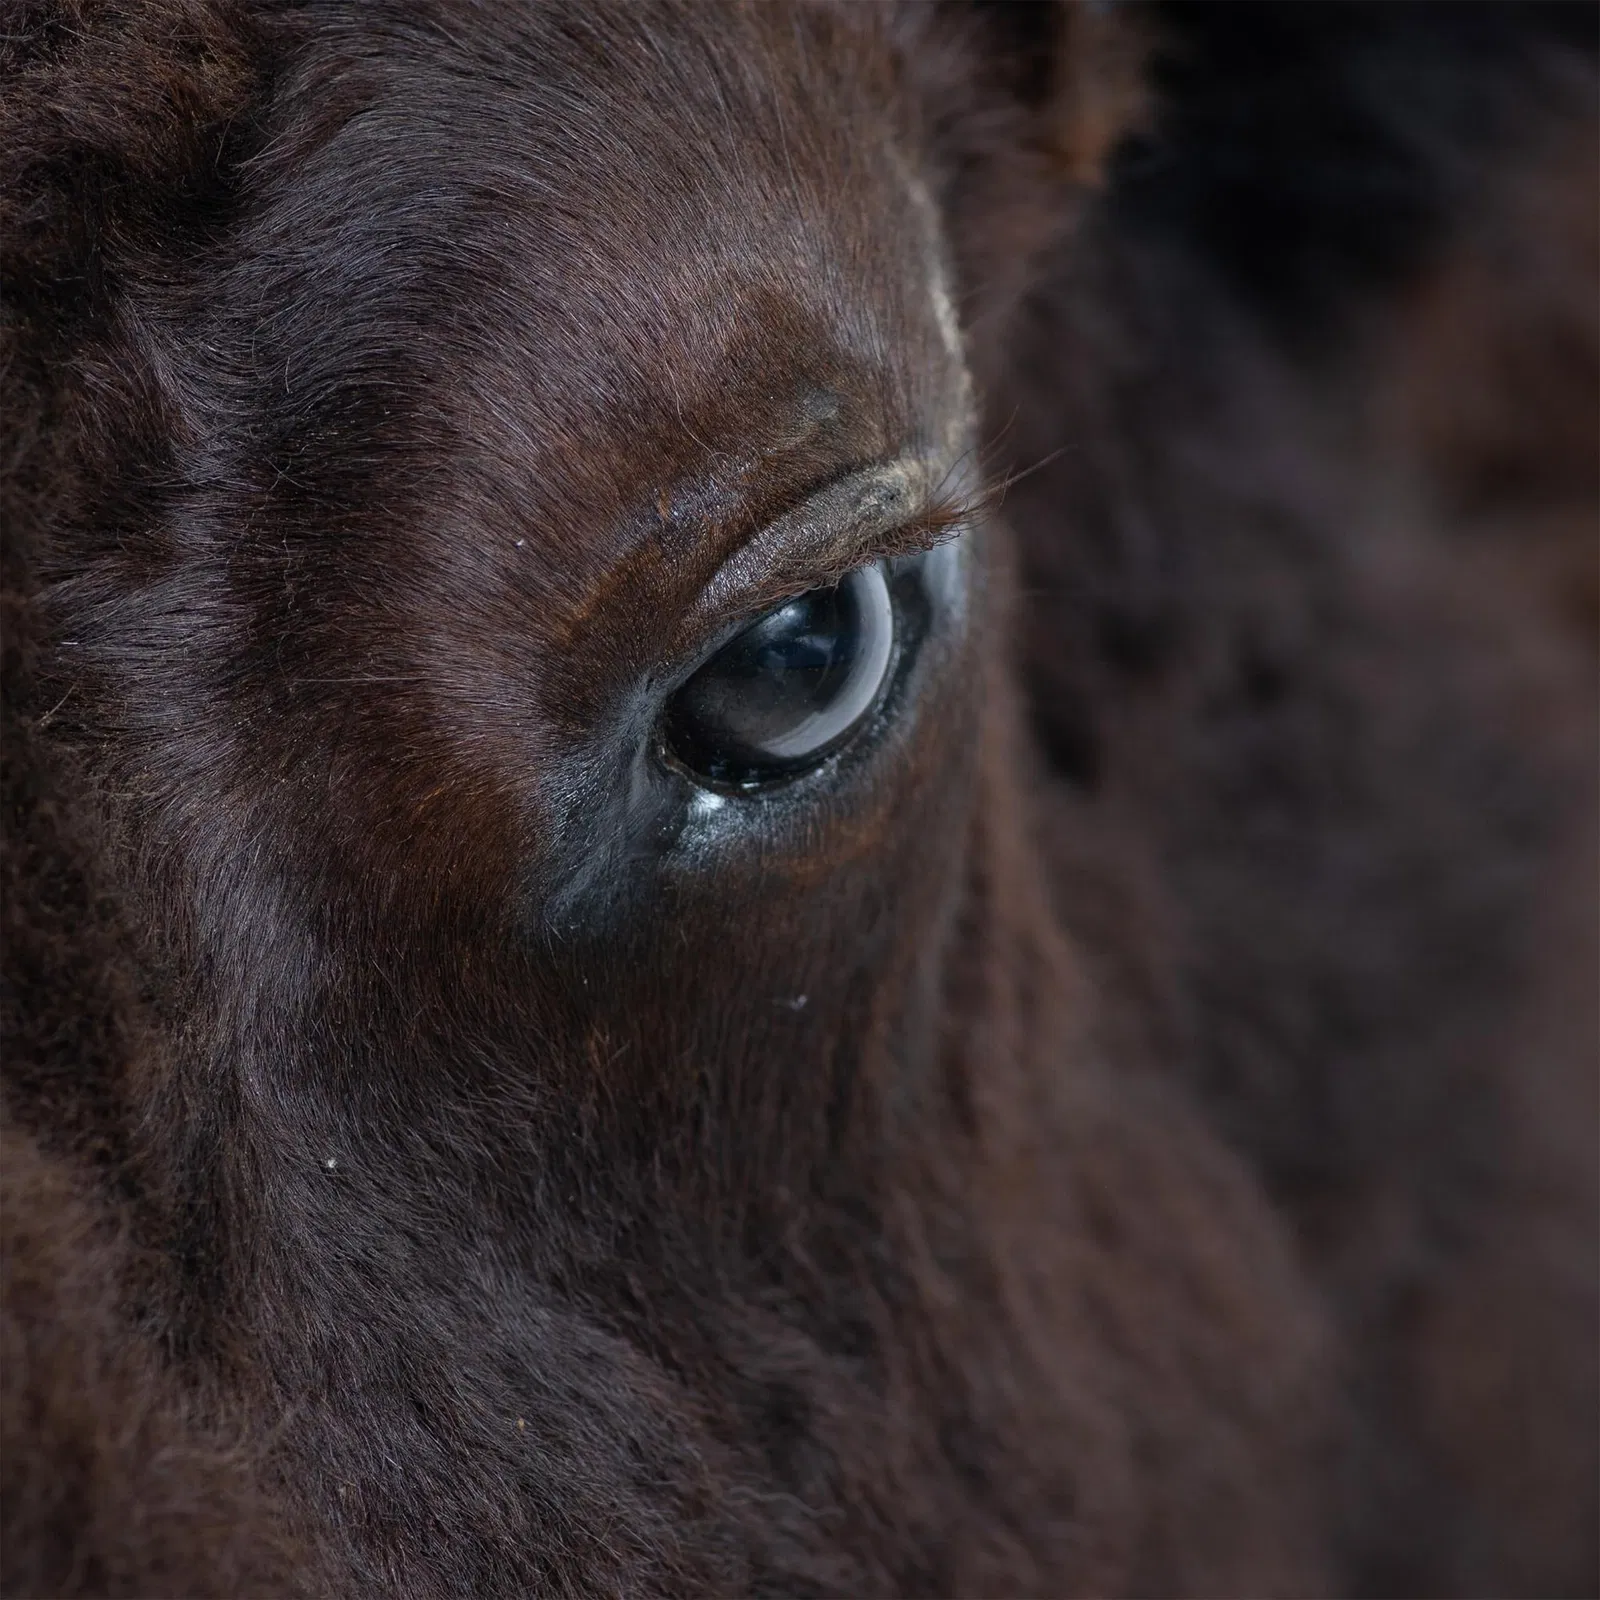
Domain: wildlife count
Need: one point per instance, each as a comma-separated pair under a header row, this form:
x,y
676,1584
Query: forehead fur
x,y
607,214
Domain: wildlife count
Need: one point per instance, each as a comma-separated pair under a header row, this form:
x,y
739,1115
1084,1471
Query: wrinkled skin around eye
x,y
791,688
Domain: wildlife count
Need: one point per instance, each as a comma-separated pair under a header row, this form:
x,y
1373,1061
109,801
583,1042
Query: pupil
x,y
812,651
788,690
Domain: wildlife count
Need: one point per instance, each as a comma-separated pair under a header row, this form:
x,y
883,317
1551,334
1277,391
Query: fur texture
x,y
1125,1125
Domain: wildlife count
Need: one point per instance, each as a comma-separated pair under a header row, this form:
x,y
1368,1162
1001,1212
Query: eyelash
x,y
946,518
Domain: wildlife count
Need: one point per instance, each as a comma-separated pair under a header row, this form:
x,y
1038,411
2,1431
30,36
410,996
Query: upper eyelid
x,y
898,508
921,537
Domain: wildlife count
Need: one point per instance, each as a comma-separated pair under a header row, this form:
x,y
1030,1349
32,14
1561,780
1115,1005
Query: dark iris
x,y
790,689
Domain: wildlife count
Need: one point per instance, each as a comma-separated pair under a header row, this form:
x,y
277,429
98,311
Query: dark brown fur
x,y
1125,1127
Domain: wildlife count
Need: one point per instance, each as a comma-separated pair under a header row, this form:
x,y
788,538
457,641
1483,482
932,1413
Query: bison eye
x,y
790,689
